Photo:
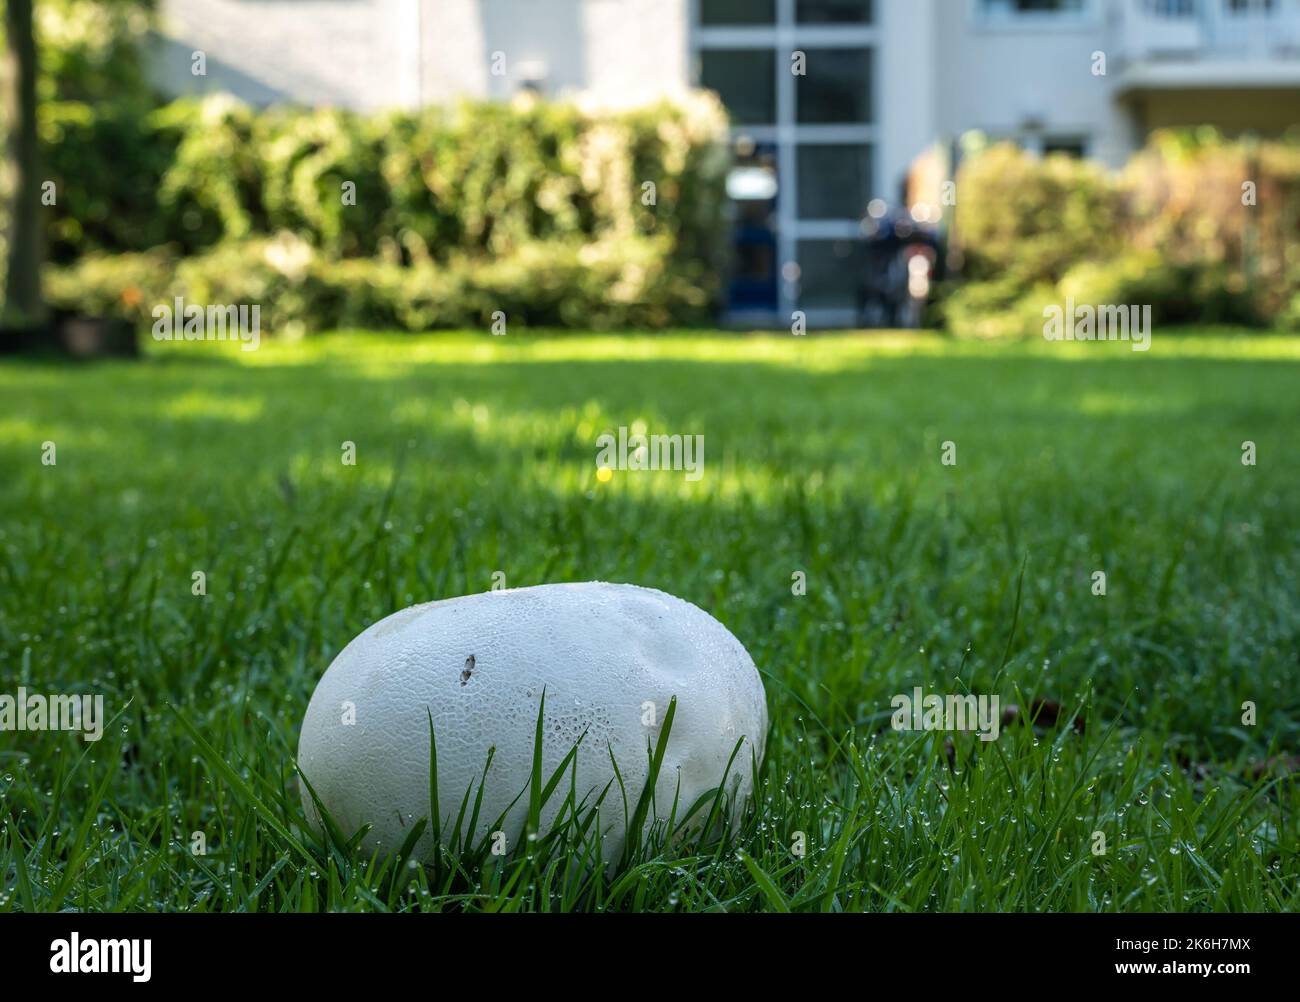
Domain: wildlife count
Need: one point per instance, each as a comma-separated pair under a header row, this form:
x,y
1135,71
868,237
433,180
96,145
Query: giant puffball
x,y
609,658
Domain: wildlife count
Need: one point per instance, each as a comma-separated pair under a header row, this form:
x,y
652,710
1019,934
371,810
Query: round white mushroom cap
x,y
609,657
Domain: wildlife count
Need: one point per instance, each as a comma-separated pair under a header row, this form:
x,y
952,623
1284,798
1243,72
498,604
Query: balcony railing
x,y
1209,29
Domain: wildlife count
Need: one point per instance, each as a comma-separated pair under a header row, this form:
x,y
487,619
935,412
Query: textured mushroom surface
x,y
609,657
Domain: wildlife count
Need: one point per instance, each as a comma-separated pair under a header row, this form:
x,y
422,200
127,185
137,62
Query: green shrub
x,y
213,188
609,283
1201,229
321,175
113,285
1026,219
1228,210
91,51
1290,316
479,178
993,309
550,213
1178,293
107,164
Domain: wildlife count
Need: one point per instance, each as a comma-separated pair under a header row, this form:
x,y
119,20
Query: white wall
x,y
908,104
354,53
997,77
369,54
627,51
638,50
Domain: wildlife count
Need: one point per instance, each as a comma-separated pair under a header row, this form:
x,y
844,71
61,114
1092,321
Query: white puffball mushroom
x,y
610,658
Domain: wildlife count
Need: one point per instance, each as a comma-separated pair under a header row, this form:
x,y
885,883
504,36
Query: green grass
x,y
477,454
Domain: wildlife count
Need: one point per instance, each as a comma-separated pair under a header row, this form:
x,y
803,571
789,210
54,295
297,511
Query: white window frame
x,y
784,37
1080,136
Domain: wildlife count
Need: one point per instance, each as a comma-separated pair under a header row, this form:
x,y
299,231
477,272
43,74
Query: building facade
x,y
832,101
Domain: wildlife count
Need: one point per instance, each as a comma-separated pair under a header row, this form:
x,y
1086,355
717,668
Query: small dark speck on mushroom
x,y
469,670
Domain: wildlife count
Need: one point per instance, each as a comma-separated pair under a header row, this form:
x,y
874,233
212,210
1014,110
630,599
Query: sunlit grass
x,y
378,354
477,454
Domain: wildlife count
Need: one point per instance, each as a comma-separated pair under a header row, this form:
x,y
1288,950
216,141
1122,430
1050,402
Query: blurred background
x,y
416,164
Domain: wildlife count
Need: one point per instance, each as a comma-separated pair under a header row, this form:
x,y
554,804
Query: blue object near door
x,y
753,187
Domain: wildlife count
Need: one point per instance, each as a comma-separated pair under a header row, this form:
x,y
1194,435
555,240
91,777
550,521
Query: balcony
x,y
1207,44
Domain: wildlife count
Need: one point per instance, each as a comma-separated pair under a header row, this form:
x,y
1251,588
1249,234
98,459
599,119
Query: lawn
x,y
823,455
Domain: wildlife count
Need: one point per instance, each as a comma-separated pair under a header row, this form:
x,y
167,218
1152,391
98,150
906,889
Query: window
x,y
737,12
836,89
1003,8
834,181
1071,146
805,141
833,12
745,79
1171,8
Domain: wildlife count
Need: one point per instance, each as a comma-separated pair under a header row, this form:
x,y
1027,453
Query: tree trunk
x,y
24,308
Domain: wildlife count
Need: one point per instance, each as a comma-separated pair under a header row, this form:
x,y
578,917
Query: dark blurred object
x,y
74,335
753,189
901,263
93,337
1042,713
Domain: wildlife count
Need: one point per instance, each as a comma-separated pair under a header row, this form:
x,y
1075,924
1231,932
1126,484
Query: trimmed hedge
x,y
1172,231
607,283
416,220
1027,219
